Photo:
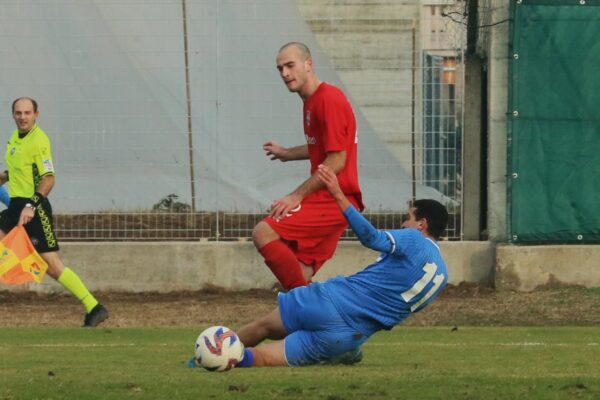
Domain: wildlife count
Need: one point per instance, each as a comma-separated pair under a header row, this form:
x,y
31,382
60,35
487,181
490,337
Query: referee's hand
x,y
27,215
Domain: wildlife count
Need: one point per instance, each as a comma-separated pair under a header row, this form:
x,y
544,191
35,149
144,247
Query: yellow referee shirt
x,y
28,160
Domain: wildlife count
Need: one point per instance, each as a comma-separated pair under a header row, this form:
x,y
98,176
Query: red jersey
x,y
329,125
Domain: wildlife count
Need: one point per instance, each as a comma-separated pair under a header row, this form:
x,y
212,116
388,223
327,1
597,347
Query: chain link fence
x,y
150,141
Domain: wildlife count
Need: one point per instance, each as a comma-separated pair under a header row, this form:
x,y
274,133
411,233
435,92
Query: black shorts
x,y
40,229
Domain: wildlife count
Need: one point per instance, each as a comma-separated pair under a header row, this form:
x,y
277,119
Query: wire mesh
x,y
401,64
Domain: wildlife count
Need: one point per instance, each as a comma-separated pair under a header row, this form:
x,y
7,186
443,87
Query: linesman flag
x,y
19,262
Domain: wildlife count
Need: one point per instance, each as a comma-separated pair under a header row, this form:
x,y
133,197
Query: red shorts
x,y
313,229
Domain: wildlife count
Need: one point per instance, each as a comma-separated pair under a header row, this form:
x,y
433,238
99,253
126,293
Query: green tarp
x,y
554,122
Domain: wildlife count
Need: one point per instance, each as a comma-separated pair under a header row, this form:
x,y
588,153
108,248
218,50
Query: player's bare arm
x,y
3,177
336,160
329,179
277,152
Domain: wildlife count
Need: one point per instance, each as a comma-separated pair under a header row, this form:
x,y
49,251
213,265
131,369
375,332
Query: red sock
x,y
283,263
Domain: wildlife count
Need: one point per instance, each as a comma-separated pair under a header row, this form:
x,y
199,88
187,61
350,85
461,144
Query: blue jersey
x,y
407,276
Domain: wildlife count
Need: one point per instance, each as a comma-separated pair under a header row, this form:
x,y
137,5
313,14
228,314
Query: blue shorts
x,y
316,331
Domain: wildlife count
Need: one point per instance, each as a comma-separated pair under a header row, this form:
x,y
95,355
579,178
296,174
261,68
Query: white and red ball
x,y
218,348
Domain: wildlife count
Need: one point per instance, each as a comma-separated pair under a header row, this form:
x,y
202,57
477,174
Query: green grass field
x,y
406,363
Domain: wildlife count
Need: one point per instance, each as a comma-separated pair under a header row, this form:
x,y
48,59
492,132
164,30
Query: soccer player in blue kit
x,y
328,322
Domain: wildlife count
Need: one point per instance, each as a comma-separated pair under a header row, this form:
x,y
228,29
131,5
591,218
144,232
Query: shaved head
x,y
295,66
302,48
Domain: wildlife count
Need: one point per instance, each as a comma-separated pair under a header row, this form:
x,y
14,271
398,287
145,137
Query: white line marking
x,y
84,345
463,344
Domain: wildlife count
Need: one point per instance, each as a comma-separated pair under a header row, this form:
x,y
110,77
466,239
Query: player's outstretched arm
x,y
368,235
329,179
336,160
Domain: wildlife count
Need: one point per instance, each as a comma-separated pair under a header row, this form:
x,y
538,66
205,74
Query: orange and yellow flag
x,y
19,262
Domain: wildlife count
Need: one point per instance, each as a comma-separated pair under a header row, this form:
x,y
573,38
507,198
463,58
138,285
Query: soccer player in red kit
x,y
304,227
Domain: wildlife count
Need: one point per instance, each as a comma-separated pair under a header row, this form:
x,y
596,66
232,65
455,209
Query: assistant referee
x,y
31,174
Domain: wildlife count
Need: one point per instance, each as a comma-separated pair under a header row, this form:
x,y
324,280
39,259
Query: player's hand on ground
x,y
26,215
328,177
283,207
274,150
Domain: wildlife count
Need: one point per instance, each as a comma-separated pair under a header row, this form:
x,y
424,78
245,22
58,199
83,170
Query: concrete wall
x,y
527,268
166,267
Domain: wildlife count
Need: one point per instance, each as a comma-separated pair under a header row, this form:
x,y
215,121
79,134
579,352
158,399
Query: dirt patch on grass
x,y
461,305
469,304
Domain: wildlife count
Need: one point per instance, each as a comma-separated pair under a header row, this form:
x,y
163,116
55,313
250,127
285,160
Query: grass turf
x,y
405,363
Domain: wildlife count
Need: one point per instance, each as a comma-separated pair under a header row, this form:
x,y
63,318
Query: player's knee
x,y
308,271
273,326
263,234
257,233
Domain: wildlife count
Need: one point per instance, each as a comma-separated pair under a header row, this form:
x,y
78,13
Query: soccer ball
x,y
218,349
